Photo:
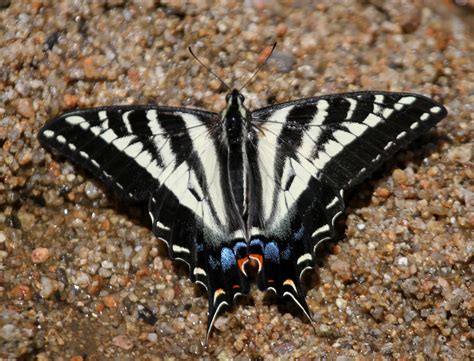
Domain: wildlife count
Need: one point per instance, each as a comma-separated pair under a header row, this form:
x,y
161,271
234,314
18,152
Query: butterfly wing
x,y
172,158
305,154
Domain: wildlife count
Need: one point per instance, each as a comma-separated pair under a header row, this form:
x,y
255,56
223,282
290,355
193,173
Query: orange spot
x,y
241,262
270,281
235,286
217,293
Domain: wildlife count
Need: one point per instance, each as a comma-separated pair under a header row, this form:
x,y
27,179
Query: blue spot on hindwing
x,y
286,254
272,253
227,259
213,263
299,233
256,243
240,249
256,246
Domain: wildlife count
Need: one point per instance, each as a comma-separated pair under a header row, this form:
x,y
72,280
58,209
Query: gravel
x,y
81,275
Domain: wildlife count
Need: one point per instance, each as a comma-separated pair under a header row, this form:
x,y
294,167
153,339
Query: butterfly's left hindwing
x,y
306,153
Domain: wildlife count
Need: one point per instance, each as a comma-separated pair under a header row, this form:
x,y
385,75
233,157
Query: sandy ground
x,y
83,278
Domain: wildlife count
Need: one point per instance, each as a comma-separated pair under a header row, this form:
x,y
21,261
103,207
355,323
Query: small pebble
x,y
123,342
192,318
399,176
221,323
96,285
22,292
107,264
281,29
82,279
239,345
40,255
409,286
146,315
283,61
25,157
152,337
140,257
104,272
402,261
382,192
324,329
168,294
344,358
342,269
48,287
8,332
25,108
461,154
438,210
70,101
409,315
110,301
341,303
284,348
92,190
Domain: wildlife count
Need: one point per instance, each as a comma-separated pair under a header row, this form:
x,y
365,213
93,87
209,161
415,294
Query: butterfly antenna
x,y
260,67
207,68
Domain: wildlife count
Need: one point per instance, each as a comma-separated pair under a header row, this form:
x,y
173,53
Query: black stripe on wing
x,y
353,133
117,144
169,157
331,142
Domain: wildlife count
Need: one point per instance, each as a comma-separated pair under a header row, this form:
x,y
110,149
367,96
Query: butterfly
x,y
265,185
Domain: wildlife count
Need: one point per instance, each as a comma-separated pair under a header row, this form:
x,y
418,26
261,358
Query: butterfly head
x,y
235,98
235,105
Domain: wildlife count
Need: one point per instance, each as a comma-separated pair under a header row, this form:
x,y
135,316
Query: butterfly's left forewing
x,y
306,153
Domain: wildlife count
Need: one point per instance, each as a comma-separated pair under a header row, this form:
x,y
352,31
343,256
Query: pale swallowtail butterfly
x,y
263,185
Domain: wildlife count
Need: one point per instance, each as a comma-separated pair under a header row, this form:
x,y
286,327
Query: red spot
x,y
241,262
235,286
